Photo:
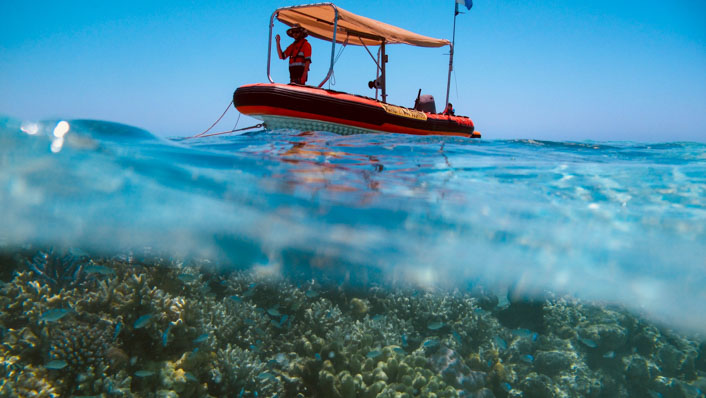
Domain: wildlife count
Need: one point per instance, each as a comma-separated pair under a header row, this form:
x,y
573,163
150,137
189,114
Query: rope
x,y
203,134
237,121
332,79
214,123
224,132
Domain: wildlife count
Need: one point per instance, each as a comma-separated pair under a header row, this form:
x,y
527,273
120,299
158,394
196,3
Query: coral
x,y
59,269
23,381
125,326
552,363
241,370
84,347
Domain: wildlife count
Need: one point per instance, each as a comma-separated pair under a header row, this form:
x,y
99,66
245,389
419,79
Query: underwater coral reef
x,y
79,325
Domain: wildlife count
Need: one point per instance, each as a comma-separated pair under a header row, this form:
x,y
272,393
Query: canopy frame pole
x,y
377,74
383,75
451,58
333,45
377,63
269,46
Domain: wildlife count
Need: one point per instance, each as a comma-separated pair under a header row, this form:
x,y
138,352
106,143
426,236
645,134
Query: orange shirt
x,y
298,52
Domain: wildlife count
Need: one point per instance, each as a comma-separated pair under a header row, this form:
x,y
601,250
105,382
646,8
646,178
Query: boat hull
x,y
309,108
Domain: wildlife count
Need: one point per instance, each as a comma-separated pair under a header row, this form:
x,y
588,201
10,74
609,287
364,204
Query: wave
x,y
620,222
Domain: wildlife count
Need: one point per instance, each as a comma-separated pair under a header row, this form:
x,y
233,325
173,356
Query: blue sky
x,y
551,69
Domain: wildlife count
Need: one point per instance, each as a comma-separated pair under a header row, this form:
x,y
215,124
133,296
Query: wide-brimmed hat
x,y
296,28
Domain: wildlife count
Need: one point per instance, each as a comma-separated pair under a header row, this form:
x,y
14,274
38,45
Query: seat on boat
x,y
425,103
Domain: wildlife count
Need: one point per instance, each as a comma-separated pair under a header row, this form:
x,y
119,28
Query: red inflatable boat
x,y
316,109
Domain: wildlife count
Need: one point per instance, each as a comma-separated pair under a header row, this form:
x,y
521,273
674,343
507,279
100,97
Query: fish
x,y
53,315
142,321
520,332
274,312
317,356
435,325
99,269
609,354
235,298
588,343
266,376
250,291
200,339
311,294
430,343
404,340
187,278
457,337
283,319
399,350
654,394
500,342
190,376
506,386
527,358
118,328
56,364
165,335
144,373
373,354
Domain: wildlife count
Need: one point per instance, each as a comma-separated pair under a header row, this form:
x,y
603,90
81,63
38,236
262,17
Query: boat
x,y
313,108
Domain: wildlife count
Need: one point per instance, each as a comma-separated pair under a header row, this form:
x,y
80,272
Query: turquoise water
x,y
618,222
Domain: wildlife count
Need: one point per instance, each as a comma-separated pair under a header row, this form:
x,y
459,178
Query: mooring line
x,y
226,132
203,134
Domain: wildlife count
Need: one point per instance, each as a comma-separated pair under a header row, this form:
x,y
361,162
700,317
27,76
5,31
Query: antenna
x,y
451,56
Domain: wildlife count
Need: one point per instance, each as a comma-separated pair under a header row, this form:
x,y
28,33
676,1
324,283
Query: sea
x,y
615,226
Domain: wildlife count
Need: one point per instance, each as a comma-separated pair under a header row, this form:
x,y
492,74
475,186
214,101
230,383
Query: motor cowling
x,y
426,104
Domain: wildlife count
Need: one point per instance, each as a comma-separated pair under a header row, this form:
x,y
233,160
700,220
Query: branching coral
x,y
175,330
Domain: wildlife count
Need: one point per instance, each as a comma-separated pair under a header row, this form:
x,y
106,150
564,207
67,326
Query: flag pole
x,y
451,56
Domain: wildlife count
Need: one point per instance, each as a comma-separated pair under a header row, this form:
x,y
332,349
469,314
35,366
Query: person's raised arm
x,y
279,47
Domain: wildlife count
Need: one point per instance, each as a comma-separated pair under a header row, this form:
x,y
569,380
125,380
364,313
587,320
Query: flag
x,y
467,3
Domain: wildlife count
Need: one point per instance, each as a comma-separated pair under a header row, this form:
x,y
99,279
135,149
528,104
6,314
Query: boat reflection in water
x,y
360,170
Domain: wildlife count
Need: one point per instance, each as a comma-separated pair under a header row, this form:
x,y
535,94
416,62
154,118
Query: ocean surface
x,y
617,222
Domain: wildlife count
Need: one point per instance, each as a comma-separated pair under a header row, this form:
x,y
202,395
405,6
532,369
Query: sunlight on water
x,y
619,222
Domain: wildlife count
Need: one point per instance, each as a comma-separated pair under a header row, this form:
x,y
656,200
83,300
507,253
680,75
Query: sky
x,y
564,70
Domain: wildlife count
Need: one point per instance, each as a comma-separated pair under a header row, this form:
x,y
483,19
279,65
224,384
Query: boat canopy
x,y
320,19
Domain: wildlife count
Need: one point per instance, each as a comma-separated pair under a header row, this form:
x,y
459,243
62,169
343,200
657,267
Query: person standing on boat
x,y
449,110
299,54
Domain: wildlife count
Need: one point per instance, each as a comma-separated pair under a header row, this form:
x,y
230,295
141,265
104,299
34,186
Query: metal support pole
x,y
448,82
451,58
383,76
269,47
333,45
377,75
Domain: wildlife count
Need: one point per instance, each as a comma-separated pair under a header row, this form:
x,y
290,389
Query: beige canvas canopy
x,y
319,20
328,22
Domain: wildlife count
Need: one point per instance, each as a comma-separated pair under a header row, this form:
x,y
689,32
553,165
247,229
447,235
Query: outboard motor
x,y
425,103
